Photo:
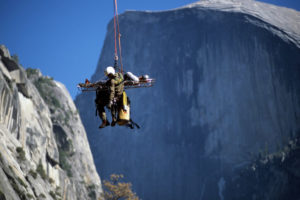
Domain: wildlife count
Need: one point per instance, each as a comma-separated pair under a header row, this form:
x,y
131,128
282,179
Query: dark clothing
x,y
113,95
102,99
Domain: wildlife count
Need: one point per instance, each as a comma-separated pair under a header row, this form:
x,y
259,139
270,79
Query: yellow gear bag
x,y
124,112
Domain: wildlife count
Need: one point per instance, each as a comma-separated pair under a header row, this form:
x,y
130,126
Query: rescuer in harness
x,y
111,98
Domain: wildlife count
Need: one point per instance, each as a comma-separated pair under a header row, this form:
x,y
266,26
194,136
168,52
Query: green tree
x,y
115,190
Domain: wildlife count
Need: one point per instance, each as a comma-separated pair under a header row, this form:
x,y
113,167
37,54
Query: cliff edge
x,y
44,152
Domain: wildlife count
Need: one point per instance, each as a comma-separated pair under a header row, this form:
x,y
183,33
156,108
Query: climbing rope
x,y
117,31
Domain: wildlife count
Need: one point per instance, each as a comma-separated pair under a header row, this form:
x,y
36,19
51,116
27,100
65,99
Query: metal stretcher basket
x,y
128,84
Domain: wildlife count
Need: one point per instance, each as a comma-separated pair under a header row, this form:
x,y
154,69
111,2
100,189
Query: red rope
x,y
120,53
119,37
116,22
116,52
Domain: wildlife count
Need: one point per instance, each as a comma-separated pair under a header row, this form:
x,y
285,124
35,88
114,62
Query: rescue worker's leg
x,y
102,116
101,101
115,109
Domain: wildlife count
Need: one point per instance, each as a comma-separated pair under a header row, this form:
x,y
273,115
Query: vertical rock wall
x,y
44,152
227,87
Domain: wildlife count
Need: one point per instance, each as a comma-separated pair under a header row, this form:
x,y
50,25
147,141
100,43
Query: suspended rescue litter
x,y
110,92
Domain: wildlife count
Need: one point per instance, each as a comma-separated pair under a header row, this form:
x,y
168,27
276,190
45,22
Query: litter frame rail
x,y
128,84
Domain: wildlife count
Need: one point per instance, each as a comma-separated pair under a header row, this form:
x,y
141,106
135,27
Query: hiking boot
x,y
113,123
104,124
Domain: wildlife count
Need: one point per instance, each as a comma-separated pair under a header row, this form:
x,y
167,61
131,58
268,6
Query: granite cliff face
x,y
227,87
44,152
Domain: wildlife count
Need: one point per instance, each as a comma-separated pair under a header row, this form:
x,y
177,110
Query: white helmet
x,y
109,70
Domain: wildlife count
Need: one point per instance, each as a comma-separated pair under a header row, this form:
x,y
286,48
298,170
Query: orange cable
x,y
119,34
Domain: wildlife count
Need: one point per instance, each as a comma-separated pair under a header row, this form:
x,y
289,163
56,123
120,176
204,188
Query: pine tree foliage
x,y
116,190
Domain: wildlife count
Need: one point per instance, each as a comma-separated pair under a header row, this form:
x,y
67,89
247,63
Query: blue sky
x,y
64,38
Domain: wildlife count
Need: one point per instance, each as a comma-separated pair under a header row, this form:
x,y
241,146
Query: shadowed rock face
x,y
270,175
227,86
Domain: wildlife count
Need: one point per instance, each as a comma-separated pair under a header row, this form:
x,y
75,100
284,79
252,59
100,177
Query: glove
x,y
109,105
